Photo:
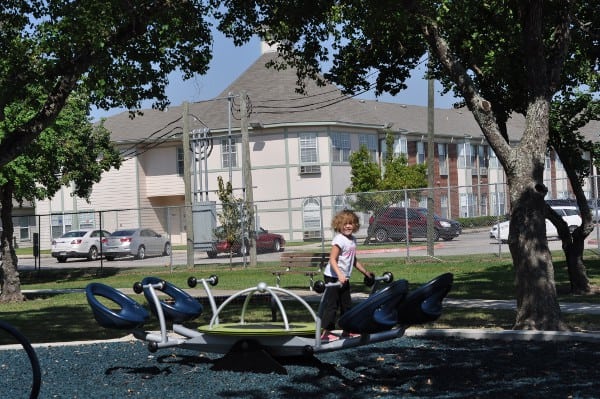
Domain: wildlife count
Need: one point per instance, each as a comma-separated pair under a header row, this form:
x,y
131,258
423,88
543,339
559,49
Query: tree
x,y
369,182
120,52
569,112
234,218
71,151
500,56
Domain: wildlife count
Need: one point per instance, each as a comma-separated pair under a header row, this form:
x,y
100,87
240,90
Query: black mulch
x,y
402,368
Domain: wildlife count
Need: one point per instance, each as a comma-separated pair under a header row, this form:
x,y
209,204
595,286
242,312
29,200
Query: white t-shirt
x,y
346,257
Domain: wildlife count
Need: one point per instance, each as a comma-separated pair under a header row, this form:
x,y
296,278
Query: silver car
x,y
138,243
79,244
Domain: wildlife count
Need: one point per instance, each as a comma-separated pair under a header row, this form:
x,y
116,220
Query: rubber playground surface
x,y
406,367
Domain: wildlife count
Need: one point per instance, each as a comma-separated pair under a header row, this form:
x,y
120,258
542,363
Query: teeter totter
x,y
251,346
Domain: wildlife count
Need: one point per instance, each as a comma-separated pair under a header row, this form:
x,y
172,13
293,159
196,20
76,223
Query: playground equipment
x,y
252,346
9,335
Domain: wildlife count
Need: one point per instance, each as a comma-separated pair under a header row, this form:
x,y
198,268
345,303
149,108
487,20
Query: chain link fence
x,y
385,217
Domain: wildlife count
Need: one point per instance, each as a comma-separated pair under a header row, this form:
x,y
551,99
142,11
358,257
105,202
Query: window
x,y
22,224
420,152
464,155
498,204
548,164
180,167
86,220
472,156
61,224
444,206
400,146
443,158
493,159
483,208
369,141
340,202
340,147
308,148
483,159
311,218
468,205
228,154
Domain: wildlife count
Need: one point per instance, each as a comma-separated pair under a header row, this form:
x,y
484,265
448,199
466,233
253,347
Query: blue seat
x,y
424,304
376,313
183,307
131,315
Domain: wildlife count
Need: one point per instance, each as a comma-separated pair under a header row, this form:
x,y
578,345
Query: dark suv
x,y
395,223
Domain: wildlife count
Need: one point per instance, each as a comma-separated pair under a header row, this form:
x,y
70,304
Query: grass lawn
x,y
67,317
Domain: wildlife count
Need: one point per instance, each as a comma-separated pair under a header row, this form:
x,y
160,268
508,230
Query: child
x,y
342,259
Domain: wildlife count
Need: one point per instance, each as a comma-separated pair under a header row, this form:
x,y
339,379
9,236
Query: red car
x,y
265,242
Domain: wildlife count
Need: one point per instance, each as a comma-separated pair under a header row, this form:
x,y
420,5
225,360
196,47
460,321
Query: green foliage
x,y
234,216
71,151
365,173
368,183
120,53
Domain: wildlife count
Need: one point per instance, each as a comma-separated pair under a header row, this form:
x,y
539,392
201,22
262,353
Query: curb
x,y
505,335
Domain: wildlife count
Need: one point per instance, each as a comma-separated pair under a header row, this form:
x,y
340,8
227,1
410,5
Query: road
x,y
470,242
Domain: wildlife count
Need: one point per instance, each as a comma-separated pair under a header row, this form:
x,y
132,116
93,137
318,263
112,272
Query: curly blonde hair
x,y
344,217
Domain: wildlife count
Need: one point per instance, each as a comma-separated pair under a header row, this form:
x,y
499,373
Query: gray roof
x,y
274,102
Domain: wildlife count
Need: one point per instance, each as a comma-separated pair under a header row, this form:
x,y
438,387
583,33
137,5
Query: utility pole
x,y
430,158
187,184
247,174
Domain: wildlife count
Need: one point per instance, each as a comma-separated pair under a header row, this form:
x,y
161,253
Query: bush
x,y
481,221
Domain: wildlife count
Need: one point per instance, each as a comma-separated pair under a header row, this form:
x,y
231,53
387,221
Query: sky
x,y
229,62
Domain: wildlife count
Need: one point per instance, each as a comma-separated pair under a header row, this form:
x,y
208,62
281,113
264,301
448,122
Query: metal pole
x,y
206,145
189,227
430,149
229,99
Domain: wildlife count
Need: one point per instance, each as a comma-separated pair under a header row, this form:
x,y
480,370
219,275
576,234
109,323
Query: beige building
x,y
299,146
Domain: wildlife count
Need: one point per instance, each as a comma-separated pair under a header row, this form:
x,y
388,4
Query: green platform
x,y
260,329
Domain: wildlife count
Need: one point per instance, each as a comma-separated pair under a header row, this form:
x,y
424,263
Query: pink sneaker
x,y
329,337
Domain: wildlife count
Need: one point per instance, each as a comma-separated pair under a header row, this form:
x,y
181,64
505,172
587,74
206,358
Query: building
x,y
299,146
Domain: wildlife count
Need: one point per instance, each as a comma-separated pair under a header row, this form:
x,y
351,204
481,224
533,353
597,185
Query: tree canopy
x,y
120,53
367,176
70,152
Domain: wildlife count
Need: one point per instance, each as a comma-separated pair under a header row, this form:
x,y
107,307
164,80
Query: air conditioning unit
x,y
310,169
483,171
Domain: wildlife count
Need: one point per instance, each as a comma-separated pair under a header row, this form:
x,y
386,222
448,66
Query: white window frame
x,y
180,166
340,147
420,152
493,162
369,141
308,147
443,158
225,153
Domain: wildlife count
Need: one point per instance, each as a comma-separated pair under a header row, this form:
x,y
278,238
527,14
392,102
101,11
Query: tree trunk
x,y
11,284
537,302
573,247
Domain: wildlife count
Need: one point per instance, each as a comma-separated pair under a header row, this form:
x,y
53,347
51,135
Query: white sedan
x,y
79,244
570,214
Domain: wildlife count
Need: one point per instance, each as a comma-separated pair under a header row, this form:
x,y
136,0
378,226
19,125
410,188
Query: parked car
x,y
138,243
570,214
394,223
265,242
79,244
